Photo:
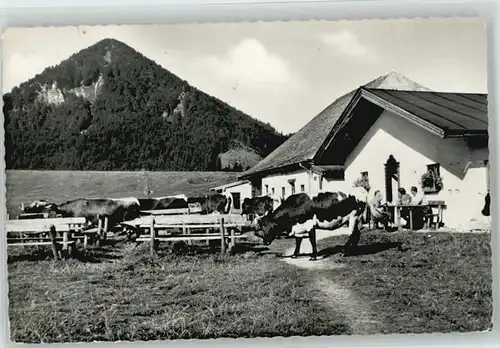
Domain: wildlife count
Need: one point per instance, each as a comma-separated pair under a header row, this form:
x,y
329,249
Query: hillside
x,y
108,107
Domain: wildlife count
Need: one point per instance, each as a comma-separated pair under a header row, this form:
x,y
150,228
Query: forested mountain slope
x,y
108,107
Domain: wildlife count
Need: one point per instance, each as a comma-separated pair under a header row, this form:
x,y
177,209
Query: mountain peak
x,y
108,107
395,81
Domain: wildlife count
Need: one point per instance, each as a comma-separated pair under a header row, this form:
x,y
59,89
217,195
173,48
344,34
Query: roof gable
x,y
449,113
305,143
444,114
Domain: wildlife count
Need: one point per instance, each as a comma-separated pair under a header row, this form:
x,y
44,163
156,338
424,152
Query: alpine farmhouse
x,y
393,133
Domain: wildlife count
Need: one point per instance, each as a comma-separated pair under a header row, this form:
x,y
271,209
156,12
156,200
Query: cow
x,y
217,203
257,207
115,209
486,208
300,215
169,202
36,207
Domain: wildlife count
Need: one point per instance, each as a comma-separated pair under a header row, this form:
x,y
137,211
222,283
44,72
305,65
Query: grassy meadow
x,y
116,292
61,186
420,282
407,283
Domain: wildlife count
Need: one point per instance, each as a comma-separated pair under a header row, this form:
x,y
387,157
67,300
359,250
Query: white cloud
x,y
251,64
345,42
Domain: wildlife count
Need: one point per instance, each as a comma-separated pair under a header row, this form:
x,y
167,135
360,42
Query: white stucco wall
x,y
245,191
278,181
463,170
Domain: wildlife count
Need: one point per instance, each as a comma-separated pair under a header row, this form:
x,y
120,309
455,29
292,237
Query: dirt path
x,y
357,312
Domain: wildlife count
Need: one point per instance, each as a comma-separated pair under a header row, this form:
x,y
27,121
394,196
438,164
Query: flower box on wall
x,y
430,190
431,181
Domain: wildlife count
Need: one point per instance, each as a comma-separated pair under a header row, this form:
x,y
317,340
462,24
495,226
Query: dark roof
x,y
304,144
452,113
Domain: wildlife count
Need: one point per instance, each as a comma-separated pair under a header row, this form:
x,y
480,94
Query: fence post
x,y
106,225
153,236
186,231
53,234
72,246
65,244
223,237
233,239
99,229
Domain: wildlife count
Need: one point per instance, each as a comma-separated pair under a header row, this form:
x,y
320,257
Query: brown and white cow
x,y
168,202
115,209
300,215
37,206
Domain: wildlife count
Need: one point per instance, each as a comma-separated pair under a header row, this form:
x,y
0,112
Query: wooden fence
x,y
54,232
187,223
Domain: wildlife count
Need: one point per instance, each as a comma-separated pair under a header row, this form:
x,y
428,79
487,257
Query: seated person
x,y
378,213
404,198
420,215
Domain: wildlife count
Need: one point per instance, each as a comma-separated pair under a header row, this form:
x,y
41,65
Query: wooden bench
x,y
187,223
45,232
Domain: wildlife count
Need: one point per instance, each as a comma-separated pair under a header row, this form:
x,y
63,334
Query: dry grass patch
x,y
195,295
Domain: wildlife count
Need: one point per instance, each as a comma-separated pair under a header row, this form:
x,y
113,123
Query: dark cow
x,y
257,206
300,216
170,202
486,208
116,210
217,203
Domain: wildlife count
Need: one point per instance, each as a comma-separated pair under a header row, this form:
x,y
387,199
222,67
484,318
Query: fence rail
x,y
188,222
54,232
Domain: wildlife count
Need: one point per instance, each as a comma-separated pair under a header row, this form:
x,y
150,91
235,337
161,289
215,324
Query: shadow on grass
x,y
181,248
89,256
106,251
368,249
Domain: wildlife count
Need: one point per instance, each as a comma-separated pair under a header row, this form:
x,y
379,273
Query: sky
x,y
283,73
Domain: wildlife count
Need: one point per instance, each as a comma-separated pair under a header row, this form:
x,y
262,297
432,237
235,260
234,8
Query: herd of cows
x,y
297,216
118,210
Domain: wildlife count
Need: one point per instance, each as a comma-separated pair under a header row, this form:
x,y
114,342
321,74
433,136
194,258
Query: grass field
x,y
436,283
130,296
420,282
60,186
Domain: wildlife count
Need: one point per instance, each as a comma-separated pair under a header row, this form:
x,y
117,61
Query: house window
x,y
431,179
267,189
272,190
320,182
292,186
283,192
302,188
236,200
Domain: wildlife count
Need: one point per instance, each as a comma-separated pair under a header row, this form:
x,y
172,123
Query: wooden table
x,y
432,204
